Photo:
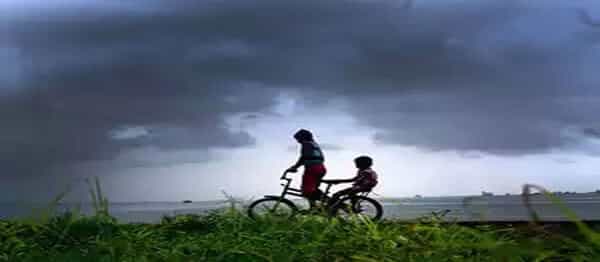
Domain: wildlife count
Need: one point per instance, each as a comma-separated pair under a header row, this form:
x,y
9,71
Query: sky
x,y
181,99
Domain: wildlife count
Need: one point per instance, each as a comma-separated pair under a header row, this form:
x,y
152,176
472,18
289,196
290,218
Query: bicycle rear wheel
x,y
357,206
272,207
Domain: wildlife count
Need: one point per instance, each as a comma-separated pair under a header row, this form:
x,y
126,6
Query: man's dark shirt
x,y
311,154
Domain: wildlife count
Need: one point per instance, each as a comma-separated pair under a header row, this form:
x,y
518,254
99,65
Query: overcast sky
x,y
172,100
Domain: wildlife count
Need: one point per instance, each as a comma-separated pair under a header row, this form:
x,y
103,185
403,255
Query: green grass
x,y
229,235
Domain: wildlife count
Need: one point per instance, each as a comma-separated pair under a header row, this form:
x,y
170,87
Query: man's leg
x,y
310,183
309,186
318,194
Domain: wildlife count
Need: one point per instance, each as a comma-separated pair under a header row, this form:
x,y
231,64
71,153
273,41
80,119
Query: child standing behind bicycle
x,y
364,181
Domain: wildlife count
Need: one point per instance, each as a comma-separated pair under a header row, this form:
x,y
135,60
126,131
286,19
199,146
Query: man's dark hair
x,y
303,135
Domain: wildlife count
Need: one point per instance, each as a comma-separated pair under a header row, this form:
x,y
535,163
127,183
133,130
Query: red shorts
x,y
312,178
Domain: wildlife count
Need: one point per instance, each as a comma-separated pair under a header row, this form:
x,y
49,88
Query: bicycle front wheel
x,y
359,206
272,207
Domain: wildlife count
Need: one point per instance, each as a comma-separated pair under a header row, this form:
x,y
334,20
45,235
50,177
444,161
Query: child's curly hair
x,y
363,162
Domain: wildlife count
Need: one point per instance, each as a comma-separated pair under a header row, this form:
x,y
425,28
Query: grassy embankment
x,y
228,235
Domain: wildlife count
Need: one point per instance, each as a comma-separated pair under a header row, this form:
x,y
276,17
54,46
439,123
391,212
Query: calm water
x,y
465,209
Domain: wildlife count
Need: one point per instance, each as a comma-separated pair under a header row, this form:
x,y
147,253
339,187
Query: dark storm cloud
x,y
592,132
495,76
587,19
87,75
513,82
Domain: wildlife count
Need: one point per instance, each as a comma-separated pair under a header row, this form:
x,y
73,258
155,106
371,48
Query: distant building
x,y
418,196
483,193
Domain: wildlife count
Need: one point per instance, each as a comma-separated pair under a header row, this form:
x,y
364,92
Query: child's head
x,y
363,162
303,135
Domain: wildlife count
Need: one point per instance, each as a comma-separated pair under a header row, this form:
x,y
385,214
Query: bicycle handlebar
x,y
284,175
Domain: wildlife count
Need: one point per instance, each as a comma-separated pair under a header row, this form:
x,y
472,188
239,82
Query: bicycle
x,y
359,204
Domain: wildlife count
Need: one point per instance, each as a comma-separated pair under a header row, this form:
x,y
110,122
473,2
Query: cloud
x,y
96,75
490,76
565,161
331,147
507,84
591,132
587,19
324,146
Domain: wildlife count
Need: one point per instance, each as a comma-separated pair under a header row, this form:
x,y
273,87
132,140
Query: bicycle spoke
x,y
360,207
267,208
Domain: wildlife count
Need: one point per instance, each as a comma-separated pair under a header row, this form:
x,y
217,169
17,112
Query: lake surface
x,y
497,208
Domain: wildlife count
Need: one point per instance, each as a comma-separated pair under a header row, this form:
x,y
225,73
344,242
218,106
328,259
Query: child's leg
x,y
339,194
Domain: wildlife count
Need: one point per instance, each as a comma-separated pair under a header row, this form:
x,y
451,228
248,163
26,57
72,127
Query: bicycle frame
x,y
332,208
287,190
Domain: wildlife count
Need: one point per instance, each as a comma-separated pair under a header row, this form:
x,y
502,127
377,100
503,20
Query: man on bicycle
x,y
312,158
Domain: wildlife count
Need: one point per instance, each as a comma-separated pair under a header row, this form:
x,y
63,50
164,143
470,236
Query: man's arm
x,y
300,161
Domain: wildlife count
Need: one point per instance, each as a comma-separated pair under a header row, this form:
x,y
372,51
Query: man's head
x,y
363,162
303,135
